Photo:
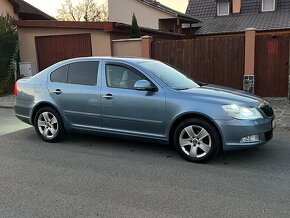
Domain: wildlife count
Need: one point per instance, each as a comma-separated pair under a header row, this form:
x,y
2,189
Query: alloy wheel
x,y
48,125
195,141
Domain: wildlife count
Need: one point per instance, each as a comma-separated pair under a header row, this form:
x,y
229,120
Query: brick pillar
x,y
249,74
146,46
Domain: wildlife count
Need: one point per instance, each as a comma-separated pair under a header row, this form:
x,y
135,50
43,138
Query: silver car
x,y
142,99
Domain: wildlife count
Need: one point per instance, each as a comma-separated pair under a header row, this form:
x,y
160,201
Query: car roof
x,y
126,60
122,59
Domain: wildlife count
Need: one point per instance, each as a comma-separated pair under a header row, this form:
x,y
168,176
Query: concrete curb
x,y
6,107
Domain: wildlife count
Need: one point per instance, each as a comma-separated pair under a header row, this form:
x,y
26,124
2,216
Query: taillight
x,y
15,89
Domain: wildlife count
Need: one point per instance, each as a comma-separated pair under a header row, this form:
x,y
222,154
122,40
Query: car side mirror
x,y
144,85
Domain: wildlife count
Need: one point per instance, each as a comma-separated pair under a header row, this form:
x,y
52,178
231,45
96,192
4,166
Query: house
x,y
150,14
22,10
234,16
43,43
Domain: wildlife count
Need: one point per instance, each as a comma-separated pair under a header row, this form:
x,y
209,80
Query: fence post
x,y
249,74
146,46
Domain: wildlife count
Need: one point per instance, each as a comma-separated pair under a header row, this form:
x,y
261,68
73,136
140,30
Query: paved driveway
x,y
89,176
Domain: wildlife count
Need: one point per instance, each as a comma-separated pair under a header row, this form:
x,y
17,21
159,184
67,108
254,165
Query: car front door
x,y
76,91
126,110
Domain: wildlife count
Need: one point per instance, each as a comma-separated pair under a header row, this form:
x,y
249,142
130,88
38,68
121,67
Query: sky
x,y
50,6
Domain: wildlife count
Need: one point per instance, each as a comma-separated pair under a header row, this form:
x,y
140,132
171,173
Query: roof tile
x,y
250,16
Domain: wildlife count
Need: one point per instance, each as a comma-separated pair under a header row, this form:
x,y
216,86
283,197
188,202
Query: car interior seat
x,y
124,81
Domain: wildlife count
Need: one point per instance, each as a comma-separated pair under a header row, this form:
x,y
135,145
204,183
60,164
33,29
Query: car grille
x,y
267,109
268,135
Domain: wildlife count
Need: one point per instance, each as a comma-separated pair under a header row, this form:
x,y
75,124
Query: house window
x,y
223,8
268,5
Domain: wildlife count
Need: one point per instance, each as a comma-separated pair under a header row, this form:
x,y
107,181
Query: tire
x,y
48,125
197,140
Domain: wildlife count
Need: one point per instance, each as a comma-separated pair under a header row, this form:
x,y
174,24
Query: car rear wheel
x,y
197,140
48,125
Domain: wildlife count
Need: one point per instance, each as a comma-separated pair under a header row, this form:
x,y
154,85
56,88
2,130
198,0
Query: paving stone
x,y
7,101
281,109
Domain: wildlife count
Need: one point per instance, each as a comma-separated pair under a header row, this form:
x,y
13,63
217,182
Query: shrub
x,y
9,54
135,30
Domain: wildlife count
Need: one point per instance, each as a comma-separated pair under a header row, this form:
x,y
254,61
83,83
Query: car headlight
x,y
242,112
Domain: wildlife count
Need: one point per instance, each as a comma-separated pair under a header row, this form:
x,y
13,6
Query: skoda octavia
x,y
142,99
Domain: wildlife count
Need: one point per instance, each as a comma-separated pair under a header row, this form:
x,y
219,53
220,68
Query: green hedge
x,y
9,54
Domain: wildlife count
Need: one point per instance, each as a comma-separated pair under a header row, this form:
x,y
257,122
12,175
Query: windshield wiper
x,y
181,89
202,84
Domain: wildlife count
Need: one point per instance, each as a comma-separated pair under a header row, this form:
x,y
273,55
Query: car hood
x,y
223,95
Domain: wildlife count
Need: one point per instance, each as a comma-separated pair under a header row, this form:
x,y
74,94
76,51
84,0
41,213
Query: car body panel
x,y
131,111
80,104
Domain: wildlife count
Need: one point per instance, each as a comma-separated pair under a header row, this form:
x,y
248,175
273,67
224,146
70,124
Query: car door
x,y
76,91
127,110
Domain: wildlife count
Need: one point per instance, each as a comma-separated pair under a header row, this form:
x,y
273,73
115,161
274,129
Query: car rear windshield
x,y
170,76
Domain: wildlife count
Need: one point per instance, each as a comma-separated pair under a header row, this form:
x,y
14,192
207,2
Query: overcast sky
x,y
50,6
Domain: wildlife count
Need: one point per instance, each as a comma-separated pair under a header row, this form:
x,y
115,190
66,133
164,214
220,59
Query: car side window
x,y
83,73
121,77
59,75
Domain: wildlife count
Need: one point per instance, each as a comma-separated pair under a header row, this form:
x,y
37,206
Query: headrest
x,y
125,75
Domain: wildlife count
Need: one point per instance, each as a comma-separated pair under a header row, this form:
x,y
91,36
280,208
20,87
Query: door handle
x,y
57,92
108,96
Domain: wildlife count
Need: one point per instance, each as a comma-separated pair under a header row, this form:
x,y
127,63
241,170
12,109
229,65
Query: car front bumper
x,y
234,130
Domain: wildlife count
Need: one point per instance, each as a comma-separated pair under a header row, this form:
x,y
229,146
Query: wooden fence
x,y
217,60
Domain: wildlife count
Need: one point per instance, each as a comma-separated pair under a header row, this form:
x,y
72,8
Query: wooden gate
x,y
218,60
52,49
272,65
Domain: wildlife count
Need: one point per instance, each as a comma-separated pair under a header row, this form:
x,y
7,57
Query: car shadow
x,y
267,155
123,144
257,159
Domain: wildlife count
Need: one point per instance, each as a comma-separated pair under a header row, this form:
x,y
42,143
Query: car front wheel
x,y
49,125
197,140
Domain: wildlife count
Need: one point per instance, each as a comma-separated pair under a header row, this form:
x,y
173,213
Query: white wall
x,y
147,16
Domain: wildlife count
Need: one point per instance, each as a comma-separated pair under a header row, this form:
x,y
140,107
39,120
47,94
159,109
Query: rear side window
x,y
83,73
59,75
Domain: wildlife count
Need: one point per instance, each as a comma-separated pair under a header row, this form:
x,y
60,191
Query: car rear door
x,y
76,89
126,110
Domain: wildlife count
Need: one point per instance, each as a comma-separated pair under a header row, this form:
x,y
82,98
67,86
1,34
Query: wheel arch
x,y
186,116
40,105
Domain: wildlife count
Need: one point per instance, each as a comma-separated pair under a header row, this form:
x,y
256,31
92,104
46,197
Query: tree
x,y
85,10
9,53
135,30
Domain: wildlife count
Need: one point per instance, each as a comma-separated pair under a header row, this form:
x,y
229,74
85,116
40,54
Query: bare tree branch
x,y
85,10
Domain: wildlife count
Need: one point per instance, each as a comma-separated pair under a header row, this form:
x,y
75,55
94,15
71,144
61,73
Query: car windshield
x,y
170,76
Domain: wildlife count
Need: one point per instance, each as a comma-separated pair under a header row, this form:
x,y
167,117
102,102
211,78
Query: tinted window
x,y
59,75
121,77
83,73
